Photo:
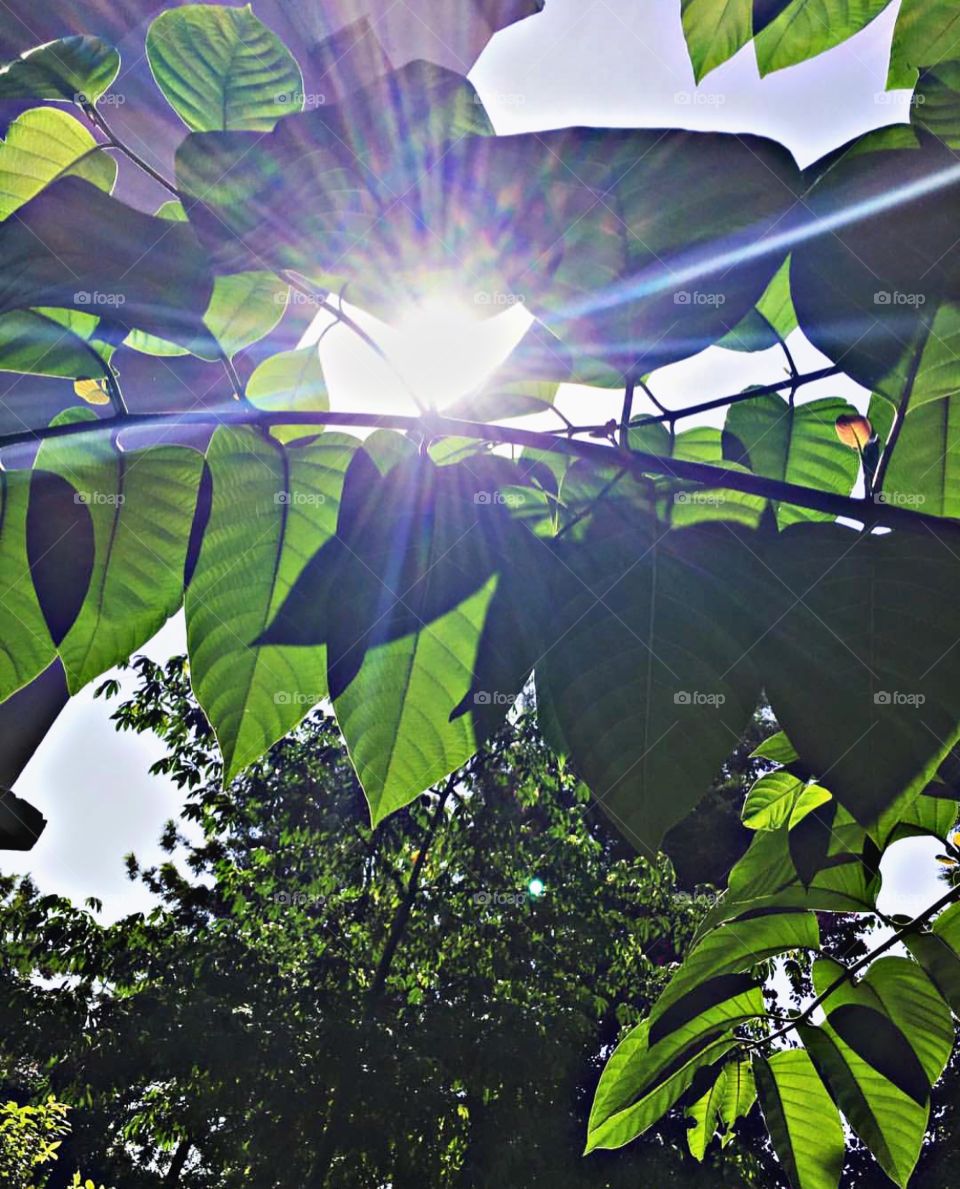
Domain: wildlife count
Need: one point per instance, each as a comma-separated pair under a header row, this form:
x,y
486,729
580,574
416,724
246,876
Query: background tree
x,y
313,1002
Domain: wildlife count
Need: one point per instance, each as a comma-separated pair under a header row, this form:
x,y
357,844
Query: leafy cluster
x,y
298,960
652,588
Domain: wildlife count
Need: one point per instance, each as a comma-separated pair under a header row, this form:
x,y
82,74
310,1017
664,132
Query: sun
x,y
438,350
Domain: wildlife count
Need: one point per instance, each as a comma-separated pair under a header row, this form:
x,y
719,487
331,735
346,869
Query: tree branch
x,y
898,936
432,425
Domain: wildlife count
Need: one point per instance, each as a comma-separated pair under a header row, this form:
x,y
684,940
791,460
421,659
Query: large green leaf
x,y
898,990
141,503
938,952
606,277
730,1097
26,648
647,650
417,561
70,68
642,1080
927,33
714,32
803,1122
803,28
75,247
860,666
889,1121
924,468
936,102
35,344
221,69
875,287
42,145
271,509
738,946
796,444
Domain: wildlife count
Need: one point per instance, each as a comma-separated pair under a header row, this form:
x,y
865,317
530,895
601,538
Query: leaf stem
x,y
95,118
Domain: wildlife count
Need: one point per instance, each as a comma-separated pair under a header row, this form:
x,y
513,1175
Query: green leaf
x,y
66,69
730,1097
272,508
938,952
34,344
44,144
294,381
245,307
401,598
888,1121
776,748
803,1122
647,650
860,666
774,318
739,1095
222,69
141,503
874,292
26,648
924,469
873,1036
641,1080
936,102
736,947
335,173
75,247
805,28
781,799
796,444
714,32
766,877
926,34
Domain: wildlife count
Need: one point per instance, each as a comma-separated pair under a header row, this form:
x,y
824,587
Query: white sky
x,y
609,62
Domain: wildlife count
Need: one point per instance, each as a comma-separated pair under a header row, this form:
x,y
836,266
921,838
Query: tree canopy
x,y
647,585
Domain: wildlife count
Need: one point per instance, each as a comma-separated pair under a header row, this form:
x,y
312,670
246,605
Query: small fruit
x,y
854,430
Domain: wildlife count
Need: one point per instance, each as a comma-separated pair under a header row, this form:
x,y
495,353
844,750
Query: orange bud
x,y
854,431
